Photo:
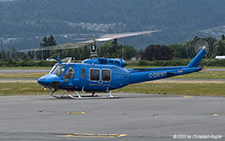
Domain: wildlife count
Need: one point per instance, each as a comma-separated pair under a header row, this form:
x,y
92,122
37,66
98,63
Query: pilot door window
x,y
59,70
69,73
94,74
83,73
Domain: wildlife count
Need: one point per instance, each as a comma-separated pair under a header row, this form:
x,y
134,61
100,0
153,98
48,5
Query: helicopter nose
x,y
43,82
47,80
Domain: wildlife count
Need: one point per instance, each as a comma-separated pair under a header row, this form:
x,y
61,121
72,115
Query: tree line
x,y
111,49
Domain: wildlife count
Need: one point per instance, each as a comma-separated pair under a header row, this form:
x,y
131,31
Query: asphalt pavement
x,y
133,116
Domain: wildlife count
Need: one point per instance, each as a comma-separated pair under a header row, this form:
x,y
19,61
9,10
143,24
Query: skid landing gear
x,y
58,96
78,96
93,96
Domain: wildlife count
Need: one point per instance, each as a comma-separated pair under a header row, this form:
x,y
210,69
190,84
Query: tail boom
x,y
149,74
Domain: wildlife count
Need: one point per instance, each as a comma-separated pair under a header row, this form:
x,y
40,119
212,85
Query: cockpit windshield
x,y
53,68
59,70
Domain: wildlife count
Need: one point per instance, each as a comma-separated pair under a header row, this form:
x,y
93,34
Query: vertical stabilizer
x,y
198,58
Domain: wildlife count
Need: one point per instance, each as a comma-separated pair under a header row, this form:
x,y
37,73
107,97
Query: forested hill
x,y
178,19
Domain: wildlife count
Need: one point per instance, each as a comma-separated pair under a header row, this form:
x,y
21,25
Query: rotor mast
x,y
93,50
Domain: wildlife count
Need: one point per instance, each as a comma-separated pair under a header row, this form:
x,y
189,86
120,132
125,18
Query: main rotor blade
x,y
92,40
118,35
123,35
52,48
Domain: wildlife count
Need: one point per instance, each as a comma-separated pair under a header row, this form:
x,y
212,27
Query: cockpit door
x,y
83,77
69,77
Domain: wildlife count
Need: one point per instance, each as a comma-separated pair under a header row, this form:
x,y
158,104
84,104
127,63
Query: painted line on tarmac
x,y
218,114
187,96
70,113
93,135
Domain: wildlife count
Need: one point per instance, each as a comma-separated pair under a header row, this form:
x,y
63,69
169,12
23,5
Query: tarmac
x,y
131,117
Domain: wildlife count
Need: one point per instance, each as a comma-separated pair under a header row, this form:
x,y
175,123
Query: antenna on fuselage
x,y
58,60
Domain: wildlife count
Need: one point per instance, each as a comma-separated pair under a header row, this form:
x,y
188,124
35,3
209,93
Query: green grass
x,y
202,75
22,75
198,89
10,89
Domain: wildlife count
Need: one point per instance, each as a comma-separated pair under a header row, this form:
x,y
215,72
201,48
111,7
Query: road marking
x,y
75,113
94,135
218,114
186,96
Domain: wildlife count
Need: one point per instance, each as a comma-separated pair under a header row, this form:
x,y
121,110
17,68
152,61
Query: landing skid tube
x,y
82,97
78,96
55,96
93,96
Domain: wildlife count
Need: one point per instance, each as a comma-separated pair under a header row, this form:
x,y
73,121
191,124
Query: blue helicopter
x,y
105,74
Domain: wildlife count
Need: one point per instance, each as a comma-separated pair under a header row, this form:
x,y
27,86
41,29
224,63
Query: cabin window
x,y
94,75
106,75
103,61
83,73
111,61
117,62
69,73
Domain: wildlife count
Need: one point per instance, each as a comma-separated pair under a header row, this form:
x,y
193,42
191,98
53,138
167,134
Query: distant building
x,y
133,59
220,57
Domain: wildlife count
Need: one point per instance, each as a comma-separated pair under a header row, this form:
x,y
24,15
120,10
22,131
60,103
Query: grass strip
x,y
193,89
22,75
16,88
202,75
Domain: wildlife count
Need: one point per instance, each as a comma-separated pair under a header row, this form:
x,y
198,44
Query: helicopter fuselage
x,y
86,77
103,74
